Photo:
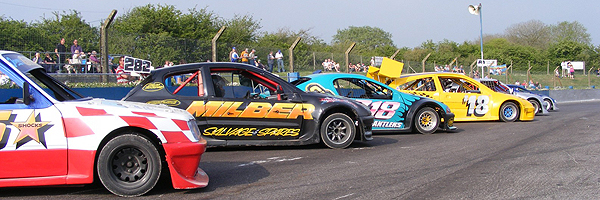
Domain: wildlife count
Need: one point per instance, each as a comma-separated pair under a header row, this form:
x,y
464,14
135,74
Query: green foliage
x,y
71,27
367,38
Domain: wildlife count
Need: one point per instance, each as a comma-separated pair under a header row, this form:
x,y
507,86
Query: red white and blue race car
x,y
50,135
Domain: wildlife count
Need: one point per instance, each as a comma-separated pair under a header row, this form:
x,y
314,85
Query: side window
x,y
189,83
11,92
424,84
359,88
458,85
349,89
242,84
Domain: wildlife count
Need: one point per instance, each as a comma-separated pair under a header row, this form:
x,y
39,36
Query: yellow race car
x,y
468,99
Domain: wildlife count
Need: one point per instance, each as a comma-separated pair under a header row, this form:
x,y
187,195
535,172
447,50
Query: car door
x,y
245,105
32,138
464,98
388,113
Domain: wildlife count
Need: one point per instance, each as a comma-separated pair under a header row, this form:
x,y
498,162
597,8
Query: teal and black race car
x,y
394,111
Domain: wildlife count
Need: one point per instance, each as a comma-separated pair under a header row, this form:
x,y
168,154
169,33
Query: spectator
x,y
336,66
270,61
326,65
49,64
76,47
260,65
233,56
351,68
61,51
95,63
524,83
531,84
38,59
517,83
75,62
571,70
122,76
437,69
244,55
372,61
279,57
252,58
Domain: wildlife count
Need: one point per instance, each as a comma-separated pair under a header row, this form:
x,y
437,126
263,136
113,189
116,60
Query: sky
x,y
411,22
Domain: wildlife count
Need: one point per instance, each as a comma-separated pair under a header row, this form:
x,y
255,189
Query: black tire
x,y
536,106
426,120
548,104
509,112
338,131
129,165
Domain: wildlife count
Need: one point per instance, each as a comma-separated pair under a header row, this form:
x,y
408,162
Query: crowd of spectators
x,y
330,65
359,67
248,56
446,68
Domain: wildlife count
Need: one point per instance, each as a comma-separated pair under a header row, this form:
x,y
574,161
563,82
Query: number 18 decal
x,y
381,109
477,105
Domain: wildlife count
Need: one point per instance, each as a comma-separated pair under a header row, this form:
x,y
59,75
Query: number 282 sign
x,y
132,64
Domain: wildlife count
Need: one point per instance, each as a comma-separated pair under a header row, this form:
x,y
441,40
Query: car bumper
x,y
448,124
528,114
365,126
183,160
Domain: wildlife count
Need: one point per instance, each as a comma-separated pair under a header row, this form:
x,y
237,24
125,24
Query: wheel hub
x,y
129,164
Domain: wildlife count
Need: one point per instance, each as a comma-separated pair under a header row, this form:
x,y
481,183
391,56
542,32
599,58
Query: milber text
x,y
253,110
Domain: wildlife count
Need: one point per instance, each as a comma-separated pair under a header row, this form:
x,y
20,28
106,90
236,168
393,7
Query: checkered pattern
x,y
86,124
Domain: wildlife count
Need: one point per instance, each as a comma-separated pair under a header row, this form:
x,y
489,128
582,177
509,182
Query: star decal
x,y
29,130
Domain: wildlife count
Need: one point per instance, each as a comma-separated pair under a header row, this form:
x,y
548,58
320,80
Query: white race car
x,y
50,135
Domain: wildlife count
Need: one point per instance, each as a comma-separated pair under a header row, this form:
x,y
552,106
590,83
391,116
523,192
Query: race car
x,y
549,102
536,100
51,135
240,105
468,99
393,110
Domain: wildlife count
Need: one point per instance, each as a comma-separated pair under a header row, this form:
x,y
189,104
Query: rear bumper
x,y
183,160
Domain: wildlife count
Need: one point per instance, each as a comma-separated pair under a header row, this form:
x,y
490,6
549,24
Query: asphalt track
x,y
552,157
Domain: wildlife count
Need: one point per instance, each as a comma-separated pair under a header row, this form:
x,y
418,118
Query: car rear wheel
x,y
337,131
509,112
536,105
129,165
427,120
548,104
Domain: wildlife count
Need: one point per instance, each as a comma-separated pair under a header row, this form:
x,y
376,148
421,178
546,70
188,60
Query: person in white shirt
x,y
279,57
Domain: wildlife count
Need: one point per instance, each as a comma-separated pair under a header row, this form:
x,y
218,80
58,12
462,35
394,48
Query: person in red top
x,y
122,76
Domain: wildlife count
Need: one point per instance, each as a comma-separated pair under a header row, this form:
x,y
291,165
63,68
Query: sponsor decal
x,y
153,87
168,102
315,87
249,132
252,110
384,124
32,129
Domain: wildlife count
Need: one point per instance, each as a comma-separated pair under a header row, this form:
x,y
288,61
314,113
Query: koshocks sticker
x,y
168,102
32,129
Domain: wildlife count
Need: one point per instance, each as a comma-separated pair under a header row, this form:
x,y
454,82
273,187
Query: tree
x,y
367,38
571,31
531,33
71,26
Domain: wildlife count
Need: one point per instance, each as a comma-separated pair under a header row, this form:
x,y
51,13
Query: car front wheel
x,y
548,104
427,120
337,131
536,105
129,165
509,112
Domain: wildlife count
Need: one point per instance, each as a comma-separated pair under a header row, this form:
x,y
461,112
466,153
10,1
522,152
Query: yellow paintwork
x,y
458,101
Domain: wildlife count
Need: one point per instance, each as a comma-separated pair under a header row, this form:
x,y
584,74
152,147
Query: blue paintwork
x,y
409,103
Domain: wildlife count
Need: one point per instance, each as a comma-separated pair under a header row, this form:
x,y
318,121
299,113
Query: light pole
x,y
476,10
